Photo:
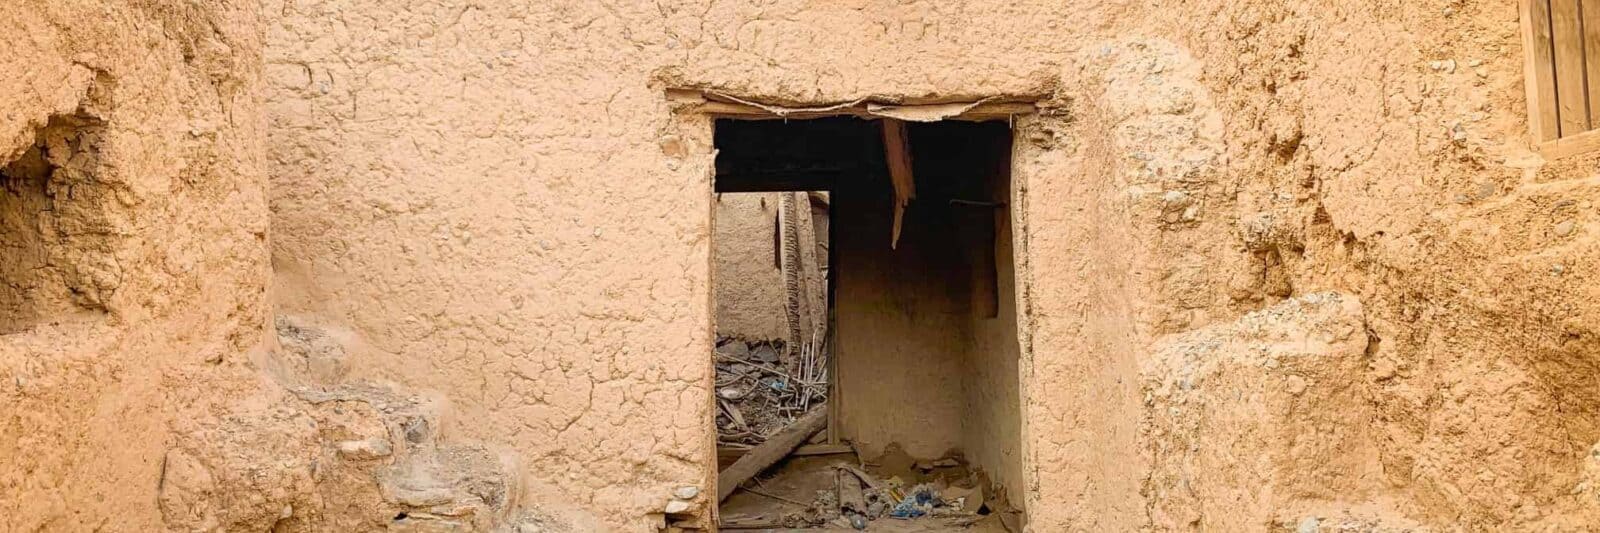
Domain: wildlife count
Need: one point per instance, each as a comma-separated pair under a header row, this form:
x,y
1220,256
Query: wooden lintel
x,y
979,112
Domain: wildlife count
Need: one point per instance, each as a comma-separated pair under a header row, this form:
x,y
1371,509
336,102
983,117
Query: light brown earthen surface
x,y
750,295
495,214
140,231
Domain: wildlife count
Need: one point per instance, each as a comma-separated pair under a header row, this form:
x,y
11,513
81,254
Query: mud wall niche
x,y
55,263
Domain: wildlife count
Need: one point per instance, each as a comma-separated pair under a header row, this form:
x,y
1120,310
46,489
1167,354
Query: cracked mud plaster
x,y
153,220
499,200
487,192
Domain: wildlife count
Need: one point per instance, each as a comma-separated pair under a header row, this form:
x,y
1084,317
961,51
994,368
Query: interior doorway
x,y
906,365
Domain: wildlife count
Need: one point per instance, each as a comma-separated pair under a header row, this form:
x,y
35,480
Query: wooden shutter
x,y
1563,67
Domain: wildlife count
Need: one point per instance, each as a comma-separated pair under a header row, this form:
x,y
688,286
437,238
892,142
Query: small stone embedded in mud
x,y
417,430
1565,227
1383,369
1297,385
686,492
1487,189
734,348
365,449
676,506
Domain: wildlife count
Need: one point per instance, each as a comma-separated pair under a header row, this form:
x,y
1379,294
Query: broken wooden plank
x,y
1591,57
733,414
897,152
775,497
775,448
851,497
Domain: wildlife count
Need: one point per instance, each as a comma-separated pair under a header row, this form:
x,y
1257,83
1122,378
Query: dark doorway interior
x,y
923,333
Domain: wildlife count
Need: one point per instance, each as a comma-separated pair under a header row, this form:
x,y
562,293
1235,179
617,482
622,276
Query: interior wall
x,y
902,321
928,348
748,285
23,201
992,393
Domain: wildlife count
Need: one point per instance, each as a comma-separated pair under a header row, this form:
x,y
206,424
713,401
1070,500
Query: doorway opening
x,y
891,389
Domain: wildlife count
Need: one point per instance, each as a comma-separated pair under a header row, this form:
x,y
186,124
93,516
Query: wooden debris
x,y
897,151
822,449
755,399
866,479
971,498
851,499
776,447
753,522
733,414
1012,521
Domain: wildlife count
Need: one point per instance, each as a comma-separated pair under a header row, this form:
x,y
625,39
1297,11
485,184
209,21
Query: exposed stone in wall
x,y
1247,420
339,456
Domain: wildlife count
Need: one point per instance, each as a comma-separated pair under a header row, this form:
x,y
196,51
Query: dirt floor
x,y
802,487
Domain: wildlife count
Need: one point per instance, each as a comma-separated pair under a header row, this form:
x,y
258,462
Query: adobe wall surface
x,y
750,295
1277,263
135,213
1328,205
559,302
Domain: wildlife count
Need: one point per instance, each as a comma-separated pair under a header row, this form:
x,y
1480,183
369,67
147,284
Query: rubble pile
x,y
953,495
762,387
